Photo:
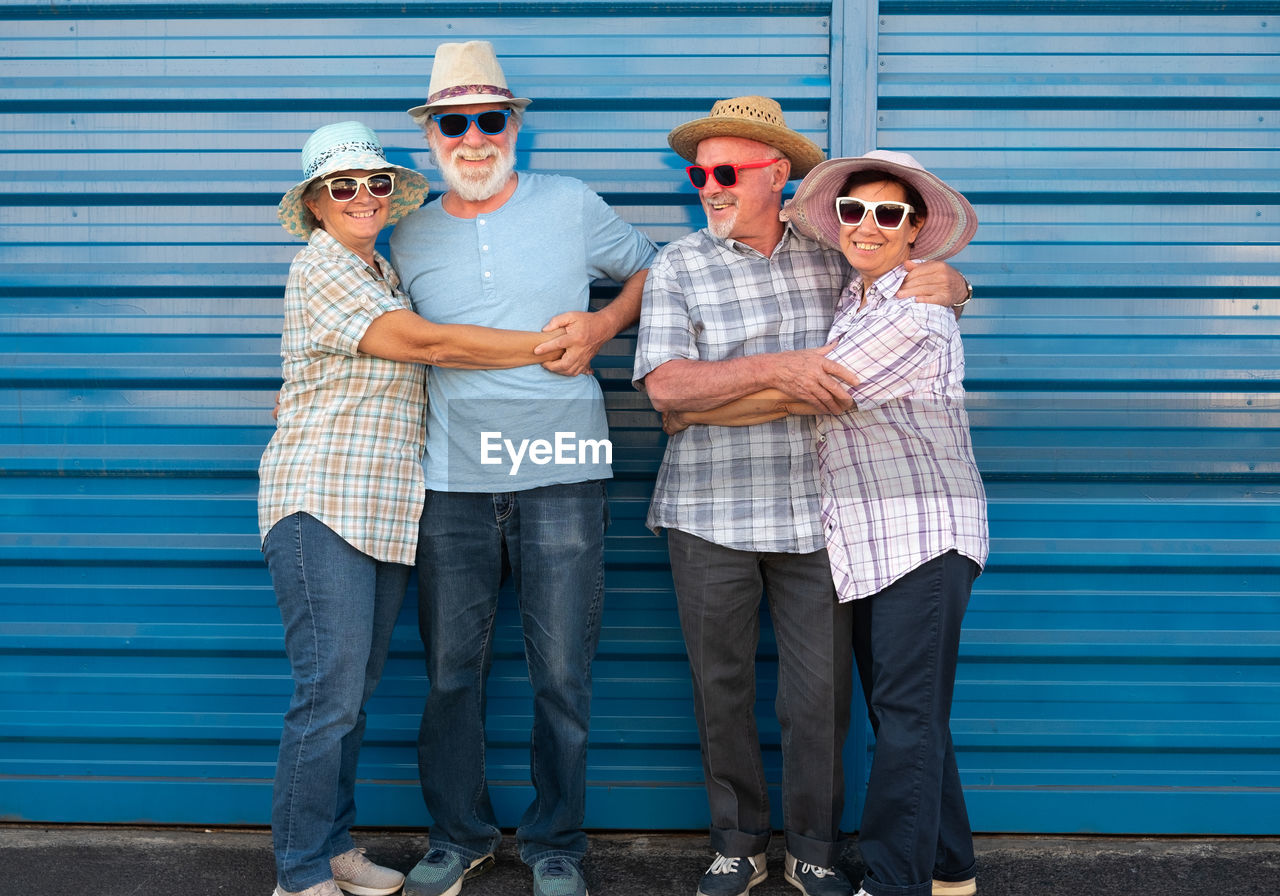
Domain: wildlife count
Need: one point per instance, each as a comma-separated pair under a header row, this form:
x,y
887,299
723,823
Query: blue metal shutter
x,y
1120,662
141,668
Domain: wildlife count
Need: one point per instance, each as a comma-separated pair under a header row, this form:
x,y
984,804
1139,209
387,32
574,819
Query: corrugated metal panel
x,y
1120,663
146,146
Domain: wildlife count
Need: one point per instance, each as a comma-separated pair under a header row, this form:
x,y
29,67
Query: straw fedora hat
x,y
949,220
347,146
752,118
462,74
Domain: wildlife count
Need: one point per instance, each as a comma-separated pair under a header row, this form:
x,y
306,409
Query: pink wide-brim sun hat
x,y
950,221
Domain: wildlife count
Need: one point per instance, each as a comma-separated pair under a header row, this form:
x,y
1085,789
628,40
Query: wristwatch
x,y
968,293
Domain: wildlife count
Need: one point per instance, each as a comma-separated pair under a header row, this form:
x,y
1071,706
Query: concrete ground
x,y
59,860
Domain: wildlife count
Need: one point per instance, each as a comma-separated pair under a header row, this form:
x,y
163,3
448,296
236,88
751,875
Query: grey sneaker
x,y
558,876
814,880
324,888
441,873
733,875
357,875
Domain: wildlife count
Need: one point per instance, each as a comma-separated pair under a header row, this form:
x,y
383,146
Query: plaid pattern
x,y
899,482
751,488
351,429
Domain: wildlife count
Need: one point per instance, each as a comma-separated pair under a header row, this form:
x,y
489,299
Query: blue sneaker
x,y
558,876
813,880
441,873
733,876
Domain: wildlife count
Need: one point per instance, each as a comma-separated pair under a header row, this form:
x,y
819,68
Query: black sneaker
x,y
733,876
813,880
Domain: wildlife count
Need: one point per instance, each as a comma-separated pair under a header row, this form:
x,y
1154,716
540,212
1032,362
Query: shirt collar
x,y
789,236
884,288
323,241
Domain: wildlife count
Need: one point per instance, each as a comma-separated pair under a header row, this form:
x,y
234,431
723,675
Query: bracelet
x,y
968,296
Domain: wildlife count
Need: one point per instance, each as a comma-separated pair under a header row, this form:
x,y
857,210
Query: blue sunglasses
x,y
455,124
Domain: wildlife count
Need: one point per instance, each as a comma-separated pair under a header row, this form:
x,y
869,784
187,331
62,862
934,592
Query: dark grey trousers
x,y
719,593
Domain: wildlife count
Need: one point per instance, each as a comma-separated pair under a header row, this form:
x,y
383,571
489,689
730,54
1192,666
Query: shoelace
x,y
724,865
556,867
806,868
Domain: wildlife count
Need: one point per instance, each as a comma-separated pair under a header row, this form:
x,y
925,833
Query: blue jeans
x,y
338,607
718,591
906,642
550,541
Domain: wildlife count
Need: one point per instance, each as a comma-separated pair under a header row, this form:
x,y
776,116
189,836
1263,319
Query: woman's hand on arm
x,y
402,335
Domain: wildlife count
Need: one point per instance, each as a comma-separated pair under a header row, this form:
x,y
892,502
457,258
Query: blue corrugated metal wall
x,y
1120,665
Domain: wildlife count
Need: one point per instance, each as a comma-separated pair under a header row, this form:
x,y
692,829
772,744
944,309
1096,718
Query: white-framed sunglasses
x,y
344,187
888,215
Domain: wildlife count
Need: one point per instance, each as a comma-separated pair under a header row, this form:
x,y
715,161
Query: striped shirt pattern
x,y
351,428
752,488
899,483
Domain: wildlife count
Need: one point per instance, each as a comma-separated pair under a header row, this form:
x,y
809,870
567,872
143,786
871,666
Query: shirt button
x,y
488,274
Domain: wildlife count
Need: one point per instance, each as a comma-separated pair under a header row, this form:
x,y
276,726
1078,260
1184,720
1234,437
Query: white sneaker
x,y
324,888
355,874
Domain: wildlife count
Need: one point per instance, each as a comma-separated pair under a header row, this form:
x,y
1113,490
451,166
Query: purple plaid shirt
x,y
899,482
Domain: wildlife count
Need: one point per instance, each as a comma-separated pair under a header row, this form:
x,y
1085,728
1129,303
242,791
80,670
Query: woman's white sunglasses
x,y
889,214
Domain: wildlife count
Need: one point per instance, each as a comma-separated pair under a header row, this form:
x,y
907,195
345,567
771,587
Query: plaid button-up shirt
x,y
752,488
899,482
351,428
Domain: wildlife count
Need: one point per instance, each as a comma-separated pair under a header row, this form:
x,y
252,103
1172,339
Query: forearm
x,y
404,336
758,407
624,310
684,385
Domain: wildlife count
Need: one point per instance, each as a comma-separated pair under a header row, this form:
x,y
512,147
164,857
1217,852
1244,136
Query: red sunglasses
x,y
725,175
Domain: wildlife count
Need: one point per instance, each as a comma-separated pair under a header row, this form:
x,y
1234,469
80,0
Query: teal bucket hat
x,y
347,146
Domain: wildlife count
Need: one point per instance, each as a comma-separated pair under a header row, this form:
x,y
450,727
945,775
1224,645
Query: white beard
x,y
722,227
476,186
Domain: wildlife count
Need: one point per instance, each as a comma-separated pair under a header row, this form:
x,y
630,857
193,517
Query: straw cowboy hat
x,y
347,146
462,74
752,118
949,220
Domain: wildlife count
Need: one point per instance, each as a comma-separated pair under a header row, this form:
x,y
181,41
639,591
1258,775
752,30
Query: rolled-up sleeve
x,y
892,351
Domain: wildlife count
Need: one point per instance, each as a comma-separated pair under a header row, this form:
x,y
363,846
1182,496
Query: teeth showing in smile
x,y
867,247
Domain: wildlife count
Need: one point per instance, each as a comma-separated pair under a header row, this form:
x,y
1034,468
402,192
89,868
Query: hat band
x,y
362,146
469,90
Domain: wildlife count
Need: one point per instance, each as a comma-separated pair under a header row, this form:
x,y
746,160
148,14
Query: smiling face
x,y
476,166
748,210
355,224
871,250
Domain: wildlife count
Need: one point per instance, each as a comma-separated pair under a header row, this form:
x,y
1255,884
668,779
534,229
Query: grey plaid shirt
x,y
752,488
